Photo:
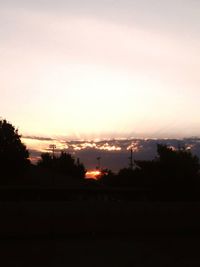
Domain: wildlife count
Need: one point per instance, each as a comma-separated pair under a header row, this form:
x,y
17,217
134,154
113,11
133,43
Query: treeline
x,y
172,175
16,167
63,164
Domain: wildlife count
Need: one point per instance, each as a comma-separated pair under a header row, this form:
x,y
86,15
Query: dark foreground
x,y
102,252
99,234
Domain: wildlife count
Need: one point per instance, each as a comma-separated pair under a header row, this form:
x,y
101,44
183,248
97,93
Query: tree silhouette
x,y
63,164
45,161
177,165
173,174
13,153
126,177
106,177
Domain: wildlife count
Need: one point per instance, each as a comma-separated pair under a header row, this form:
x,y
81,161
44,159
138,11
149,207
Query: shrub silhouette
x,y
13,153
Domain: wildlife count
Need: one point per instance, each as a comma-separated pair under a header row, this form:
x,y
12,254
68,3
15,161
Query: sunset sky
x,y
87,69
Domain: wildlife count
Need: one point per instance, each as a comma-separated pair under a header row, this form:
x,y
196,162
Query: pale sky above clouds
x,y
88,69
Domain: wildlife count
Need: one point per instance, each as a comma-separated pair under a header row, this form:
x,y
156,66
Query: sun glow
x,y
93,174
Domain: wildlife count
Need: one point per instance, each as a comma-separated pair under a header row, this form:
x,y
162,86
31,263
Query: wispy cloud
x,y
39,138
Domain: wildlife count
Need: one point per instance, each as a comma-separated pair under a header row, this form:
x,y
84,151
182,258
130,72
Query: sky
x,y
88,69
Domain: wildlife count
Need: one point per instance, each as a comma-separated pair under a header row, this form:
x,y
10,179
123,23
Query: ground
x,y
102,252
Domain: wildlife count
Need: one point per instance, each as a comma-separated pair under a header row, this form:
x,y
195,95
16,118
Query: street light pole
x,y
53,147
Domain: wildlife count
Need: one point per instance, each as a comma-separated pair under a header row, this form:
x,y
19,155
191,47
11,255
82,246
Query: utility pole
x,y
99,163
53,147
131,160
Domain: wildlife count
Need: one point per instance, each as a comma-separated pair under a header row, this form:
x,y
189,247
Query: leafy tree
x,y
106,177
46,160
80,170
124,178
171,166
63,164
173,174
179,164
13,153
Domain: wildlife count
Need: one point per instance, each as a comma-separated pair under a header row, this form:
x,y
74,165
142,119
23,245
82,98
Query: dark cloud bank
x,y
115,153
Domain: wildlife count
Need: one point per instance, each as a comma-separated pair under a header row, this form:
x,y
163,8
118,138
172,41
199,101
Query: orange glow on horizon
x,y
93,174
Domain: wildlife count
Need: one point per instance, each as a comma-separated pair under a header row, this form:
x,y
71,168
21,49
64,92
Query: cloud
x,y
115,159
37,138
